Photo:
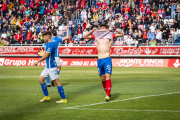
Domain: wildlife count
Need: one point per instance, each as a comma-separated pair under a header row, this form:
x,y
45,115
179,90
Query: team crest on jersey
x,y
48,49
109,68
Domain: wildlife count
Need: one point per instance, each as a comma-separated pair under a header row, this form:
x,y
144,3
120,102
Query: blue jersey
x,y
50,60
56,40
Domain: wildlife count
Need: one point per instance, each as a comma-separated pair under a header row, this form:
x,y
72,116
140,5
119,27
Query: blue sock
x,y
47,80
61,92
44,89
58,72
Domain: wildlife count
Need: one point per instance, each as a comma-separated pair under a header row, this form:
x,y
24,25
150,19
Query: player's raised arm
x,y
67,36
88,34
119,33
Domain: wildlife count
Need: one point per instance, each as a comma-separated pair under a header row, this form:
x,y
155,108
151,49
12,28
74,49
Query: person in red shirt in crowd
x,y
32,4
143,19
4,8
98,4
148,9
142,9
26,18
94,10
104,5
79,30
77,6
144,34
126,8
55,5
37,16
83,3
28,39
22,2
34,38
18,37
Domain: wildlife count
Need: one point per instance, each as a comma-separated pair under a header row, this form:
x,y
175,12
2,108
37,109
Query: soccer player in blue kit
x,y
104,39
57,40
50,69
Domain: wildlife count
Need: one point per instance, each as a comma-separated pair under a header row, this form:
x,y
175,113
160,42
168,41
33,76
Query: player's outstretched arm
x,y
88,34
119,34
67,36
43,58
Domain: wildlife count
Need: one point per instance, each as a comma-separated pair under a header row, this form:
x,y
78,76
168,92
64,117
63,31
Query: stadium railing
x,y
69,45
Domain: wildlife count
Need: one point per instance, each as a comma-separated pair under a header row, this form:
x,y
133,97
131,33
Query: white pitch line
x,y
130,110
7,77
120,100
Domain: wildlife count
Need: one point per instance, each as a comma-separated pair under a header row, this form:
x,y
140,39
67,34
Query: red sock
x,y
104,85
108,87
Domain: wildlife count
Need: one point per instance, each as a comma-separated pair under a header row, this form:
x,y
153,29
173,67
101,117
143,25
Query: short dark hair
x,y
54,33
104,25
46,33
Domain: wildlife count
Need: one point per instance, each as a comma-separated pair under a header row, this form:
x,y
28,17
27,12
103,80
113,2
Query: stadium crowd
x,y
147,22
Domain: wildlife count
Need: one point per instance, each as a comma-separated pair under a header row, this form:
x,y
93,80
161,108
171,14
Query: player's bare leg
x,y
44,89
58,71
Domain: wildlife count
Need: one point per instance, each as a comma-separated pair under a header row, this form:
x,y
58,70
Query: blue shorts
x,y
104,66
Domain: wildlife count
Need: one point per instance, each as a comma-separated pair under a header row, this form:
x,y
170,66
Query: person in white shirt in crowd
x,y
135,42
129,41
158,35
84,14
152,27
56,23
174,35
3,35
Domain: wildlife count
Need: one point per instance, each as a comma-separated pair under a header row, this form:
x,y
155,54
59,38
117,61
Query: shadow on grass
x,y
115,95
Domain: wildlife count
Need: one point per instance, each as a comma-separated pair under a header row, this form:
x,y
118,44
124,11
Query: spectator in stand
x,y
161,4
150,35
164,37
152,42
142,9
98,4
29,38
173,10
174,35
129,41
158,35
168,14
144,34
4,8
139,39
76,38
18,38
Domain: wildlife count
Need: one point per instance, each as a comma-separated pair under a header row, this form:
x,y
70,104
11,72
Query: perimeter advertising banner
x,y
116,62
92,51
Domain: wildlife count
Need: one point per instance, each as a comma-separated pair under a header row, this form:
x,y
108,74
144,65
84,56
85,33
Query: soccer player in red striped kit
x,y
104,39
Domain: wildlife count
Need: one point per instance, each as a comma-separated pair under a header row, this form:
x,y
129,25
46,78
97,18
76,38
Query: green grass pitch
x,y
137,94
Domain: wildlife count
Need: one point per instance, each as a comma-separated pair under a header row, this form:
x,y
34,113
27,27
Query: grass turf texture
x,y
20,93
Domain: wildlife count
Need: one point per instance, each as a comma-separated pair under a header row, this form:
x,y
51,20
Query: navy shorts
x,y
104,66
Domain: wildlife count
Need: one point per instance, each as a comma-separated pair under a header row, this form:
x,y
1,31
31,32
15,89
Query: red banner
x,y
116,62
92,51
